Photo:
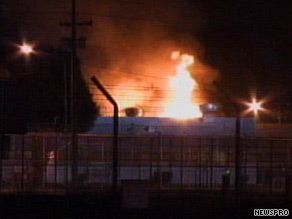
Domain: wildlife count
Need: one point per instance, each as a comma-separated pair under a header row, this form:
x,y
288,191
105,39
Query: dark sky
x,y
247,42
234,34
249,39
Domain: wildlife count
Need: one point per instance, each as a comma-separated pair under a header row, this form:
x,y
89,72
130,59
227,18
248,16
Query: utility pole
x,y
73,90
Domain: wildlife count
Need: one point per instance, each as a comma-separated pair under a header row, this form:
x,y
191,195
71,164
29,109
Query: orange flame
x,y
182,104
175,96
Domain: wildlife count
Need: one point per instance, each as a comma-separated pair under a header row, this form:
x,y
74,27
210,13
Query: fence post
x,y
288,183
200,163
160,163
22,164
44,162
271,166
55,162
212,155
139,156
151,161
225,183
88,161
181,162
66,161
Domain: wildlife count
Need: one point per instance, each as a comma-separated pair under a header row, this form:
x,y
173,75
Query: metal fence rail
x,y
41,162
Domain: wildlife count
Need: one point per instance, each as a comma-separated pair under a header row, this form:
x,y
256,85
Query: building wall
x,y
208,126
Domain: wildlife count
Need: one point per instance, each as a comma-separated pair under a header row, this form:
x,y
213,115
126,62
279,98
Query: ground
x,y
166,204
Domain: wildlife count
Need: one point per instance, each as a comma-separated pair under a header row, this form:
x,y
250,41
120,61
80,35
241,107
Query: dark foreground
x,y
166,204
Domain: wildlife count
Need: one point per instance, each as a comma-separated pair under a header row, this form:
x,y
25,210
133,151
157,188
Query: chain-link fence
x,y
42,163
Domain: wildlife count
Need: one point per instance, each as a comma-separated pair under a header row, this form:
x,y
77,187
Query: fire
x,y
127,94
129,97
171,96
182,103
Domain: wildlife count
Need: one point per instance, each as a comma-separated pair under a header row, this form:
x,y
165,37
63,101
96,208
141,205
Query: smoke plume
x,y
128,48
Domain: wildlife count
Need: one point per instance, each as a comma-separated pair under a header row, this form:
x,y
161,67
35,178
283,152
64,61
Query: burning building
x,y
181,111
177,95
154,64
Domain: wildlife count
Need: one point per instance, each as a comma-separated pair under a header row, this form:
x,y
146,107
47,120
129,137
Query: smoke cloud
x,y
128,48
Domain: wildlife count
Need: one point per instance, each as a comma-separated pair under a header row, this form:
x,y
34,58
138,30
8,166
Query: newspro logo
x,y
271,212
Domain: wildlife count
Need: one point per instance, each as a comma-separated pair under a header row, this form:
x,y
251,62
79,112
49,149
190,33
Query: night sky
x,y
245,44
250,41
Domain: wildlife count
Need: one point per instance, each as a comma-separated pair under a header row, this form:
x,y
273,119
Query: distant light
x,y
26,49
255,106
212,107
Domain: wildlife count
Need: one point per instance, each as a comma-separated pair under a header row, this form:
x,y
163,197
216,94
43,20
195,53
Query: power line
x,y
146,99
141,89
125,72
138,74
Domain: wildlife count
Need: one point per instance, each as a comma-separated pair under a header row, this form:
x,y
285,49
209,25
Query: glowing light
x,y
255,106
175,99
26,49
182,104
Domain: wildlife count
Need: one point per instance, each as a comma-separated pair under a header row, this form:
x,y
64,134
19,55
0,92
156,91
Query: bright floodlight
x,y
255,106
26,49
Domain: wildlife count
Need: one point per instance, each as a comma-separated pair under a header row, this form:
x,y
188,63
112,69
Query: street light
x,y
255,106
26,49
